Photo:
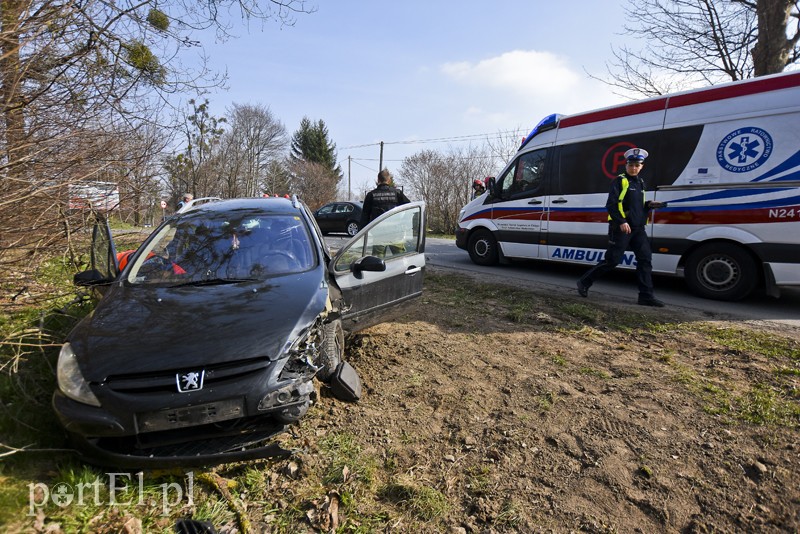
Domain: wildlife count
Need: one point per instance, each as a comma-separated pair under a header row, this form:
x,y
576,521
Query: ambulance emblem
x,y
744,149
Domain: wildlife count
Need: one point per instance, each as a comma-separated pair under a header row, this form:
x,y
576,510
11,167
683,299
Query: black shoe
x,y
651,301
582,289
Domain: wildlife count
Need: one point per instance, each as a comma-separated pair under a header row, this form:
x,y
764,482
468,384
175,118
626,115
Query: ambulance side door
x,y
519,208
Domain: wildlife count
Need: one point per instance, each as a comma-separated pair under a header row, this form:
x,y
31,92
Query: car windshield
x,y
213,247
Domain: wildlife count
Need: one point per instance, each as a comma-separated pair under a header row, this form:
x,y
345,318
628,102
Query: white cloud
x,y
520,71
522,86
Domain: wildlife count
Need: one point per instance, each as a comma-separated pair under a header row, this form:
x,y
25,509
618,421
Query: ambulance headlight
x,y
461,214
70,379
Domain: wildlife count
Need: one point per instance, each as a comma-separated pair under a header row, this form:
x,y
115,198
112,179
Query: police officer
x,y
381,199
627,216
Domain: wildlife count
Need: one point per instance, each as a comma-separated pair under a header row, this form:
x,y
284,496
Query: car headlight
x,y
70,379
461,214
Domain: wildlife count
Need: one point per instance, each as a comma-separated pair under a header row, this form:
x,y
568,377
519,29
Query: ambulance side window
x,y
526,178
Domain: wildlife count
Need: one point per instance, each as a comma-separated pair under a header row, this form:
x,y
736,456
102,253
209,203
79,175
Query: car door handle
x,y
534,201
560,201
413,269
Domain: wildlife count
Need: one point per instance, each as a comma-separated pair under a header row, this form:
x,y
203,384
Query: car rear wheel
x,y
721,271
332,349
482,248
352,228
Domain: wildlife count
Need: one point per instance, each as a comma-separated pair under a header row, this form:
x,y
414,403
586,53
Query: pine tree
x,y
311,144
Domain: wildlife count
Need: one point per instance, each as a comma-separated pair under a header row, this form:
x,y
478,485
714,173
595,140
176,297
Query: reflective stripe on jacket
x,y
626,201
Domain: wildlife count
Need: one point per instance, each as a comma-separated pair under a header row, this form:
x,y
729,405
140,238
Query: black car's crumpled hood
x,y
140,329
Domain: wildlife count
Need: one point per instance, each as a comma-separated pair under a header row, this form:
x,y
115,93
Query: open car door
x,y
103,268
382,267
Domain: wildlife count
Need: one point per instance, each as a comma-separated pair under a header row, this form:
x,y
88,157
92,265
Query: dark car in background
x,y
339,217
205,345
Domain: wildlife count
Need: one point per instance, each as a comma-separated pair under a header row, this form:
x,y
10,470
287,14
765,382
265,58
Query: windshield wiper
x,y
215,282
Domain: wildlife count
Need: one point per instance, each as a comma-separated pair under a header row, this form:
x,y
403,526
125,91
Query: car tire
x,y
482,248
352,228
721,271
331,351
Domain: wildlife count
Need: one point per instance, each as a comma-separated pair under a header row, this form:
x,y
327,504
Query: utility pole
x,y
380,165
349,191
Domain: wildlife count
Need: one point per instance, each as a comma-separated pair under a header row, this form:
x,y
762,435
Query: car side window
x,y
325,210
526,177
395,236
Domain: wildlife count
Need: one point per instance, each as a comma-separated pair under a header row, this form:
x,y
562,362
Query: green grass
x,y
478,480
581,312
422,501
343,451
765,405
545,400
594,372
751,341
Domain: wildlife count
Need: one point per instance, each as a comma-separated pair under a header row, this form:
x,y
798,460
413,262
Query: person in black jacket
x,y
627,217
377,202
381,199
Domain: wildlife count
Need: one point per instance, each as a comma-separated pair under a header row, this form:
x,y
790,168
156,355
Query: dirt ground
x,y
537,412
491,409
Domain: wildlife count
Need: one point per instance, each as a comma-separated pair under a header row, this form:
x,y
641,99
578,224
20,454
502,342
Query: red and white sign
x,y
163,204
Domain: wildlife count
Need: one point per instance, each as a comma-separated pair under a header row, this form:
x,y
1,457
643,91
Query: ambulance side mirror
x,y
491,185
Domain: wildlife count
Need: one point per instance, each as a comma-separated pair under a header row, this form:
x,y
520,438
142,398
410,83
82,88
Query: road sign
x,y
163,204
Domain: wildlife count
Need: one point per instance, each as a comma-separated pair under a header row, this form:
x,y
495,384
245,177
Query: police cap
x,y
636,154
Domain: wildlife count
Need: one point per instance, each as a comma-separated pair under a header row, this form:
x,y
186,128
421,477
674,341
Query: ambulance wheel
x,y
332,349
482,247
721,271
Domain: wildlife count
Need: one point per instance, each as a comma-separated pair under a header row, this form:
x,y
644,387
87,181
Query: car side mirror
x,y
368,263
88,278
491,185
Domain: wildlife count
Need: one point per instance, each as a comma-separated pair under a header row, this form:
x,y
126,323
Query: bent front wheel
x,y
332,349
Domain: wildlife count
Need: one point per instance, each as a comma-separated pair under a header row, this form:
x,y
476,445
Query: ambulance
x,y
725,159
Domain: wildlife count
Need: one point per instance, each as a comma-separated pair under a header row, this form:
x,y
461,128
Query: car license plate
x,y
201,414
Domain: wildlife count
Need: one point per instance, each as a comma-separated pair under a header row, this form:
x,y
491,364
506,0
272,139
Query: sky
x,y
413,71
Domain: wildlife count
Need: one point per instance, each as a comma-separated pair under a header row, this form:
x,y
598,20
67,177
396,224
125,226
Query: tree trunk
x,y
10,83
771,52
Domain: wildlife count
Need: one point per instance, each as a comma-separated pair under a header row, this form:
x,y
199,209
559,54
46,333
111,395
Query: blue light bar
x,y
547,123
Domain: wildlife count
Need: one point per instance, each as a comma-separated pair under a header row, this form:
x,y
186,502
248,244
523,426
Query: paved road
x,y
619,285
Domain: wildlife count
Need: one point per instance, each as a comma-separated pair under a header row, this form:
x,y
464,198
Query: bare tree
x,y
78,82
701,42
255,139
195,170
502,147
312,182
443,181
140,182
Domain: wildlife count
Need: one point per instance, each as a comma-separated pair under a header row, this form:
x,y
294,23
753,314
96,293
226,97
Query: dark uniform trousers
x,y
618,243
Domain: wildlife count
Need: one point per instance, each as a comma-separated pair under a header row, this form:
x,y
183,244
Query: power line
x,y
435,139
354,160
448,157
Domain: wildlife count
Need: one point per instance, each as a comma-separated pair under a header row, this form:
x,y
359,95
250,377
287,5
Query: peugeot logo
x,y
191,381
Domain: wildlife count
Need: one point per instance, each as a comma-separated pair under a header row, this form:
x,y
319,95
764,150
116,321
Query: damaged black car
x,y
206,344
